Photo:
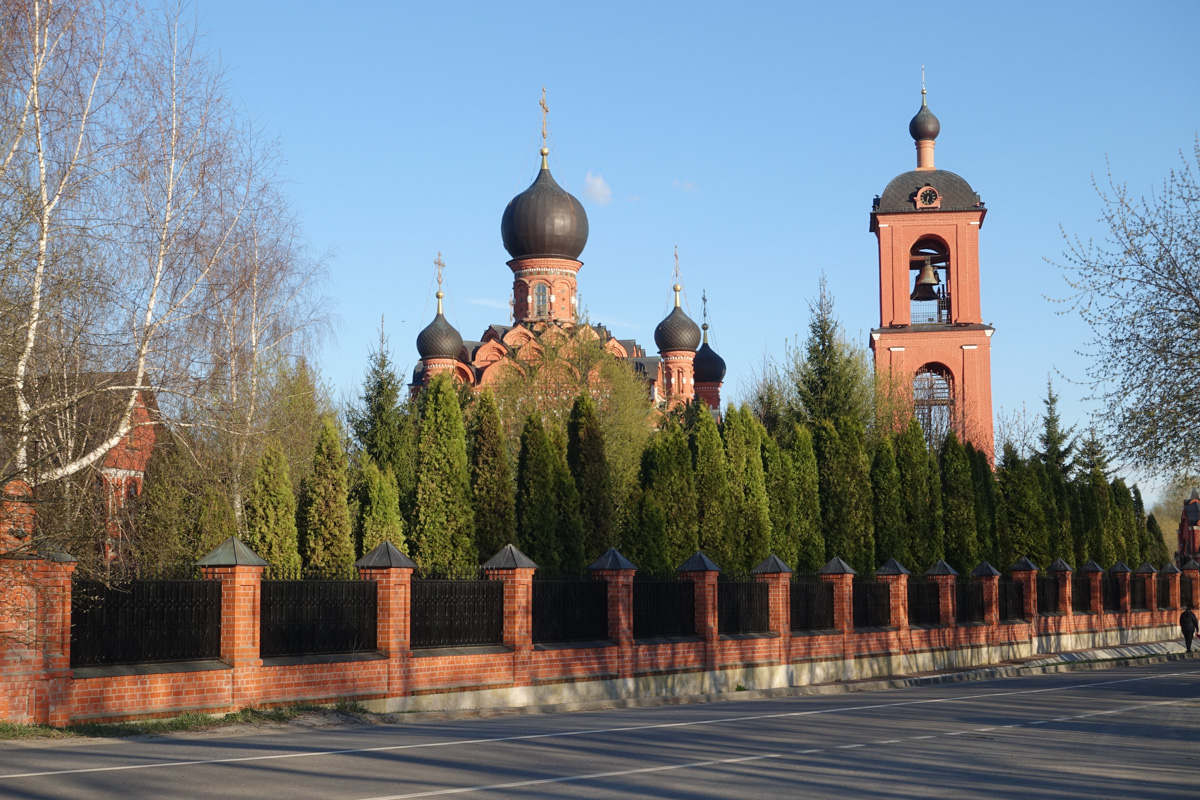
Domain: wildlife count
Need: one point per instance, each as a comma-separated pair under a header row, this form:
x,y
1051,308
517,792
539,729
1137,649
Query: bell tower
x,y
931,338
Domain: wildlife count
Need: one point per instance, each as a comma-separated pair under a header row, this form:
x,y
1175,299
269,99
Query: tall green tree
x,y
811,550
491,479
921,536
444,534
1056,444
569,522
846,496
327,545
379,518
713,500
984,483
1123,524
829,373
747,489
668,487
1056,452
783,498
1157,544
1019,517
889,514
588,463
270,514
958,502
537,518
1096,505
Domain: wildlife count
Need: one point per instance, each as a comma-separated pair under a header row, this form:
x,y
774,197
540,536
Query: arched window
x,y
930,301
933,401
541,300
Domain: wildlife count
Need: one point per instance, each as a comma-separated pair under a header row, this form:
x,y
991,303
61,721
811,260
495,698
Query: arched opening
x,y
541,300
929,288
933,402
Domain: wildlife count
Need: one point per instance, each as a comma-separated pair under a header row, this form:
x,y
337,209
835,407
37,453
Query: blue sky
x,y
753,136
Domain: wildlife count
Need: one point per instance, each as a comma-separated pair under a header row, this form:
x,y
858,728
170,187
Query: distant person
x,y
1188,624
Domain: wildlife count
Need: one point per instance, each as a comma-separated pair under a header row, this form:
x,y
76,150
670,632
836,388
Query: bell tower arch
x,y
931,336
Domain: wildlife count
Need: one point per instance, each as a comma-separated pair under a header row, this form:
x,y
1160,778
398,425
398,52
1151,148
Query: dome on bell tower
x,y
924,125
708,366
677,331
439,339
544,221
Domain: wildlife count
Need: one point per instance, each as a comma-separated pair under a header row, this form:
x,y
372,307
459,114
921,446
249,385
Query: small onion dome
x,y
544,221
708,367
924,125
439,339
677,331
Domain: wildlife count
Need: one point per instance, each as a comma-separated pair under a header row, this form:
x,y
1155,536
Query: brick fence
x,y
38,685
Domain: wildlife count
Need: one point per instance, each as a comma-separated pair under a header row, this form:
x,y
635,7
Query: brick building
x,y
545,230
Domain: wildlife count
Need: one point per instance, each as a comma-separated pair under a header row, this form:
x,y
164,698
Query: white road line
x,y
588,732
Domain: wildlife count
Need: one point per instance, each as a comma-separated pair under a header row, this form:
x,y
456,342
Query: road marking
x,y
591,732
852,746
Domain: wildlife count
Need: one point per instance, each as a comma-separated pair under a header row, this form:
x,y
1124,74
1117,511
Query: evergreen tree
x,y
845,489
830,379
646,543
1123,524
1156,544
379,510
937,542
444,534
811,540
1095,506
912,462
889,515
537,517
1092,455
782,499
1079,538
958,502
1057,444
984,483
270,514
589,468
747,488
327,545
1019,516
713,501
569,522
1056,454
491,479
668,486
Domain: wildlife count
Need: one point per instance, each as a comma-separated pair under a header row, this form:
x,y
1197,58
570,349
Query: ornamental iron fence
x,y
1185,590
1012,601
303,618
812,604
968,601
1110,592
1164,592
1137,593
663,608
743,607
1047,594
570,610
144,621
448,613
872,604
924,602
1081,594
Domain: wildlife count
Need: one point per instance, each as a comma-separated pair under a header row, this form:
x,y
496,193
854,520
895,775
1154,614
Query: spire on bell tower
x,y
924,128
545,113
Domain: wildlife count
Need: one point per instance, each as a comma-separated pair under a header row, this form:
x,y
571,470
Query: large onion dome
x,y
708,367
439,339
924,125
544,221
677,331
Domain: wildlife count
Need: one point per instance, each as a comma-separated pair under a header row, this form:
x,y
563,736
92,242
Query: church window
x,y
929,289
933,402
541,300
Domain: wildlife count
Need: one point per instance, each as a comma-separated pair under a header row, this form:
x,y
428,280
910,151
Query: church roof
x,y
439,339
956,193
544,221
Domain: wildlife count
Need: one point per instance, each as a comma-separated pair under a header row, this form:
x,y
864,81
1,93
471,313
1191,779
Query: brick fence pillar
x,y
778,577
392,572
1192,599
1170,574
239,569
617,572
703,573
1095,576
1122,572
895,575
1061,571
516,570
945,576
1025,572
841,575
986,574
1146,573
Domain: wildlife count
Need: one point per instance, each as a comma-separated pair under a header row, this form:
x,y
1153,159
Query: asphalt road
x,y
1132,732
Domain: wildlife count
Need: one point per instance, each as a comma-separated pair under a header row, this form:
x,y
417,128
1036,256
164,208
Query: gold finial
x,y
441,266
678,289
922,84
545,111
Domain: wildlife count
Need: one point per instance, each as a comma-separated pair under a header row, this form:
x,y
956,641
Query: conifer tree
x,y
569,524
1079,538
1156,544
537,517
845,493
491,479
327,545
270,514
889,515
589,468
214,520
668,485
782,499
912,462
937,542
958,502
1096,507
830,380
646,542
379,510
1053,541
443,538
811,539
984,482
1019,516
713,500
749,510
1123,524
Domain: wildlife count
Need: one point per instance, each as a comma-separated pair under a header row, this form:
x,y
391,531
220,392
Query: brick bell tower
x,y
931,337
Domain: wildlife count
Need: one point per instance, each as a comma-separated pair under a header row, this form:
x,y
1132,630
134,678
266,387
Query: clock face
x,y
928,197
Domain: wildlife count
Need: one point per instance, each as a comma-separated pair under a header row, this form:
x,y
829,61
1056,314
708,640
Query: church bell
x,y
925,282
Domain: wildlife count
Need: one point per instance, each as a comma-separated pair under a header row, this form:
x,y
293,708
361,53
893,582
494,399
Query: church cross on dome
x,y
545,112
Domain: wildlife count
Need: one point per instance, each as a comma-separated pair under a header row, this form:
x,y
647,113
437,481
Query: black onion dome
x,y
924,125
677,331
439,339
544,221
708,367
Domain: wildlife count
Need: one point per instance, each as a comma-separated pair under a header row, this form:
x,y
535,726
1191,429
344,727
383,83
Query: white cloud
x,y
596,189
686,186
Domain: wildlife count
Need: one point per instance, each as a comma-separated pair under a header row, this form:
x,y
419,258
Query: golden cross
x,y
441,265
545,111
704,305
922,80
676,263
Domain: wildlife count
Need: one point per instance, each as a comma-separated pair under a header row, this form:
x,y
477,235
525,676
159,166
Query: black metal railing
x,y
968,602
144,621
1110,592
872,604
663,608
1012,601
570,611
305,618
1164,591
1047,594
812,605
1185,590
924,603
743,607
1081,594
457,613
1137,593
